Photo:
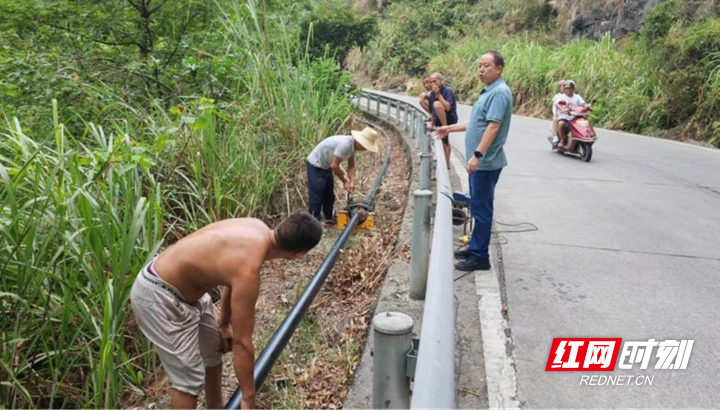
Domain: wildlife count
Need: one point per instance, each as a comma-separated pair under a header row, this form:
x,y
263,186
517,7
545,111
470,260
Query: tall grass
x,y
628,87
80,214
642,83
76,225
286,88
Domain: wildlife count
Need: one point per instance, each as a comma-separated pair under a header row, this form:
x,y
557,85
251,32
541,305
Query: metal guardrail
x,y
435,375
279,340
434,385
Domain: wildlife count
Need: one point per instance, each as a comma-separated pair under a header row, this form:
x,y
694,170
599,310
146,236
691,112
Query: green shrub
x,y
333,28
412,32
83,209
629,89
660,19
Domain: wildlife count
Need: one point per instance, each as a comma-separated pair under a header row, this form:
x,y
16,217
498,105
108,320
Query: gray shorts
x,y
185,334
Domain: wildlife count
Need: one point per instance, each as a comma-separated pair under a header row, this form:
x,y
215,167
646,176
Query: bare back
x,y
213,255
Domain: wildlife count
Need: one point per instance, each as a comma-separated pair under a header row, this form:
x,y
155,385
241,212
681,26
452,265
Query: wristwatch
x,y
478,155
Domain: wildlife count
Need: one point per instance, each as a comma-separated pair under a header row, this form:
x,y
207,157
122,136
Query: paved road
x,y
627,246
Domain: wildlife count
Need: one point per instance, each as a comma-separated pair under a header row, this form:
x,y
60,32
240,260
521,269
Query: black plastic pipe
x,y
279,340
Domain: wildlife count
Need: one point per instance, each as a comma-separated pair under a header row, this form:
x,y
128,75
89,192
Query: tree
x,y
335,27
89,52
106,32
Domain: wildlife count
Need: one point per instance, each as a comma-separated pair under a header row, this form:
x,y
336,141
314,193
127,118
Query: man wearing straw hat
x,y
325,160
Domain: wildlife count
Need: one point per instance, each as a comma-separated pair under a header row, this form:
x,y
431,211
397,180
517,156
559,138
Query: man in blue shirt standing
x,y
443,107
485,136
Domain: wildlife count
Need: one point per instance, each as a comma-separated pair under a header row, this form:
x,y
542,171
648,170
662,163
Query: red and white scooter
x,y
583,133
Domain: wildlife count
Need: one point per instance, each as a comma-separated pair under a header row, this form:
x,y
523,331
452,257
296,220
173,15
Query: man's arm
x,y
500,106
443,131
245,290
487,139
582,101
488,136
224,320
425,104
351,172
337,170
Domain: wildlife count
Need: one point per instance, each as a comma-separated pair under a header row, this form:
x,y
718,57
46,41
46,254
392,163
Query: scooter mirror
x,y
593,101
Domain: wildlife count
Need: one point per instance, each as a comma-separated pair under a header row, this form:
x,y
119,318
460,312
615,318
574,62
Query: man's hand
x,y
436,90
349,186
247,404
442,132
472,164
226,339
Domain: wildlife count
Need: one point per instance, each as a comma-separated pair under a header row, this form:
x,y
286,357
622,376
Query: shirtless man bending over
x,y
172,308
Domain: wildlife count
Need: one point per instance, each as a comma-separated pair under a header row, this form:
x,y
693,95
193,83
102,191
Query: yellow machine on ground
x,y
365,208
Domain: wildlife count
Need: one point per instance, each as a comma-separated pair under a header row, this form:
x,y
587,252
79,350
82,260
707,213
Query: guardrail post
x,y
377,106
425,174
425,170
420,252
387,104
413,127
418,127
420,134
392,333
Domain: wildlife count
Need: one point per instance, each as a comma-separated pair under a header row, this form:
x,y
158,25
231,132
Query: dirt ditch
x,y
318,364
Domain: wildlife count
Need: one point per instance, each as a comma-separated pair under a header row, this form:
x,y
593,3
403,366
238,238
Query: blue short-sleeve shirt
x,y
494,104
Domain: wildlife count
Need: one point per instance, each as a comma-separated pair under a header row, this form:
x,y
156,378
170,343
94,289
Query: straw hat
x,y
367,138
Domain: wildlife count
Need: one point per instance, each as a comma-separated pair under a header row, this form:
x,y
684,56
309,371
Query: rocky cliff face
x,y
617,19
594,19
587,18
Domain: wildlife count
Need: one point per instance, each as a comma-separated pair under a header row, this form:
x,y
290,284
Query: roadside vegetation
x,y
125,125
663,78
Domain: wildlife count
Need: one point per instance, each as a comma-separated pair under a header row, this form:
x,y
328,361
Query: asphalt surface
x,y
627,246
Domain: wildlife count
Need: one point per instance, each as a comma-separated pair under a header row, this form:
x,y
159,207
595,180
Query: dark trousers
x,y
320,191
482,194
